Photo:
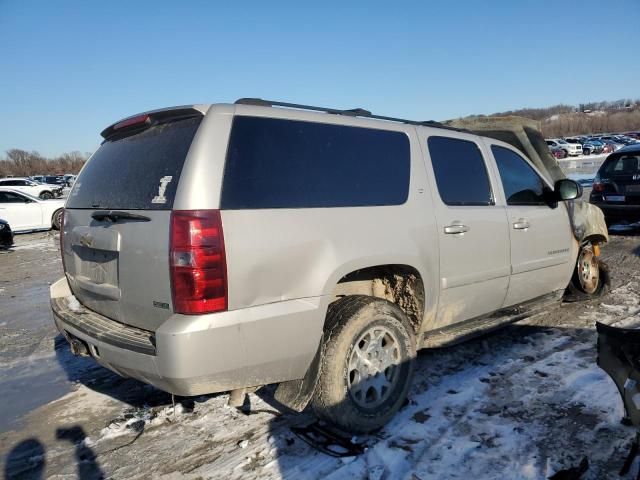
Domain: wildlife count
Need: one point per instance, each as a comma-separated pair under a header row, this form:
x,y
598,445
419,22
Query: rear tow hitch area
x,y
619,357
78,347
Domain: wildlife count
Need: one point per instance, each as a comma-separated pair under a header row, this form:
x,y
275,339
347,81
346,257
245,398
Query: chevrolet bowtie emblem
x,y
86,240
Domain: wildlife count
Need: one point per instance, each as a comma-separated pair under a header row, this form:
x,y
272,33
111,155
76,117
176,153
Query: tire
x,y
56,219
588,265
361,330
46,195
566,153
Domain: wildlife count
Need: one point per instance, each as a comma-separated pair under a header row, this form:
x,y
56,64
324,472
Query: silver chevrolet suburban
x,y
211,248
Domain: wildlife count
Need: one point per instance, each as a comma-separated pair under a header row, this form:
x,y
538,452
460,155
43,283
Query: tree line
x,y
20,163
592,123
587,118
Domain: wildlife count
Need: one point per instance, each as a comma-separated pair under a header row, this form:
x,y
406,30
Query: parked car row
x,y
62,180
588,145
32,187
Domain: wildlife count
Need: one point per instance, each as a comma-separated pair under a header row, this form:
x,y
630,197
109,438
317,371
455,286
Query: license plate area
x,y
98,266
615,198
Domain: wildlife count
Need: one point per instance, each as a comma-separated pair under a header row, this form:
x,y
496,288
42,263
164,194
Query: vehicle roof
x,y
294,111
633,148
316,114
15,178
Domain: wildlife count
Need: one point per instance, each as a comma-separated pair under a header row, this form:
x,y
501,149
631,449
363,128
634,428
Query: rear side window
x,y
276,163
137,172
522,185
623,165
10,197
461,174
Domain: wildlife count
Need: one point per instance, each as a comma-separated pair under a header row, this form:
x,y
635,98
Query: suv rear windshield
x,y
623,165
137,172
275,163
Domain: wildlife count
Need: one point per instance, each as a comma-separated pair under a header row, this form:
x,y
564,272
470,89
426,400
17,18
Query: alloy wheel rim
x,y
373,367
588,271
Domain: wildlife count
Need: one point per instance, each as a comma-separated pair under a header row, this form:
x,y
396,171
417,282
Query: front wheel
x,y
367,365
590,277
46,195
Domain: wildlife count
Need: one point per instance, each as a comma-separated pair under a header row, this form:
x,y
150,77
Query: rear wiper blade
x,y
115,215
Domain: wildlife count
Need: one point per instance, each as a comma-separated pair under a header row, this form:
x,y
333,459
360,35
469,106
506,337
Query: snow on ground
x,y
521,403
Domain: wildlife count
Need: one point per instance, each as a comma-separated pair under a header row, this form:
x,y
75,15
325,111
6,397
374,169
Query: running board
x,y
463,331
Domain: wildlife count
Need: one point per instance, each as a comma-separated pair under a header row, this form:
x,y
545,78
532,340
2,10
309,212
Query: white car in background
x,y
33,188
572,149
26,212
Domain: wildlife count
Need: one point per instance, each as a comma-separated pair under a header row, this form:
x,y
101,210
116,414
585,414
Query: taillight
x,y
197,261
62,239
597,186
134,121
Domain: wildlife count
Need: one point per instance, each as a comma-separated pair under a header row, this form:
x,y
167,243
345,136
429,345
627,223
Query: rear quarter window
x,y
137,172
623,165
278,163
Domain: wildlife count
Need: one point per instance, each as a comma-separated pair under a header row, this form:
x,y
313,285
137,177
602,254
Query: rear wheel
x,y
46,195
367,366
56,219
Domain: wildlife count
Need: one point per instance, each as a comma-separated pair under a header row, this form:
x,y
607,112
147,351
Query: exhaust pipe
x,y
79,348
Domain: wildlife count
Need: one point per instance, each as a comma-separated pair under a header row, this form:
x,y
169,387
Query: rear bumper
x,y
194,355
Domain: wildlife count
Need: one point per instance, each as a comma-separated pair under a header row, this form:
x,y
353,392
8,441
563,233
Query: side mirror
x,y
566,189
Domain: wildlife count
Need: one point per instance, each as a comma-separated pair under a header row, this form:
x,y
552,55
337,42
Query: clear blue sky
x,y
70,68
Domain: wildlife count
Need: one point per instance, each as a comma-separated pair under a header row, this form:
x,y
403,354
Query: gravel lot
x,y
524,402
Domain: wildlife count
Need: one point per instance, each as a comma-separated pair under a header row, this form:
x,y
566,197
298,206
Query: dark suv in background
x,y
616,187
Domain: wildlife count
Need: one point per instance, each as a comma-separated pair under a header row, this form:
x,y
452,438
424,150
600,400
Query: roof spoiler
x,y
149,119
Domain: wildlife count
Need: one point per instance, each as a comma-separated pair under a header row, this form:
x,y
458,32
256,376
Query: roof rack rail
x,y
354,112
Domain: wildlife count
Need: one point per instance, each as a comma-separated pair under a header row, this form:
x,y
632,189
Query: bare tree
x,y
22,163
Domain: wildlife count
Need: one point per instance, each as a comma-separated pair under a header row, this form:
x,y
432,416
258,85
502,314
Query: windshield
x,y
137,172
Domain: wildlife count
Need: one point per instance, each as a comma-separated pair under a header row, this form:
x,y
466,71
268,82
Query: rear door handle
x,y
456,228
521,224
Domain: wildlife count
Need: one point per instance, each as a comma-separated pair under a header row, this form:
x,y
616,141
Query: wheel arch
x,y
400,284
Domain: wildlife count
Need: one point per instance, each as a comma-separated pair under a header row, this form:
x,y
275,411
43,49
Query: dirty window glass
x,y
623,165
461,174
277,163
137,172
10,197
522,185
